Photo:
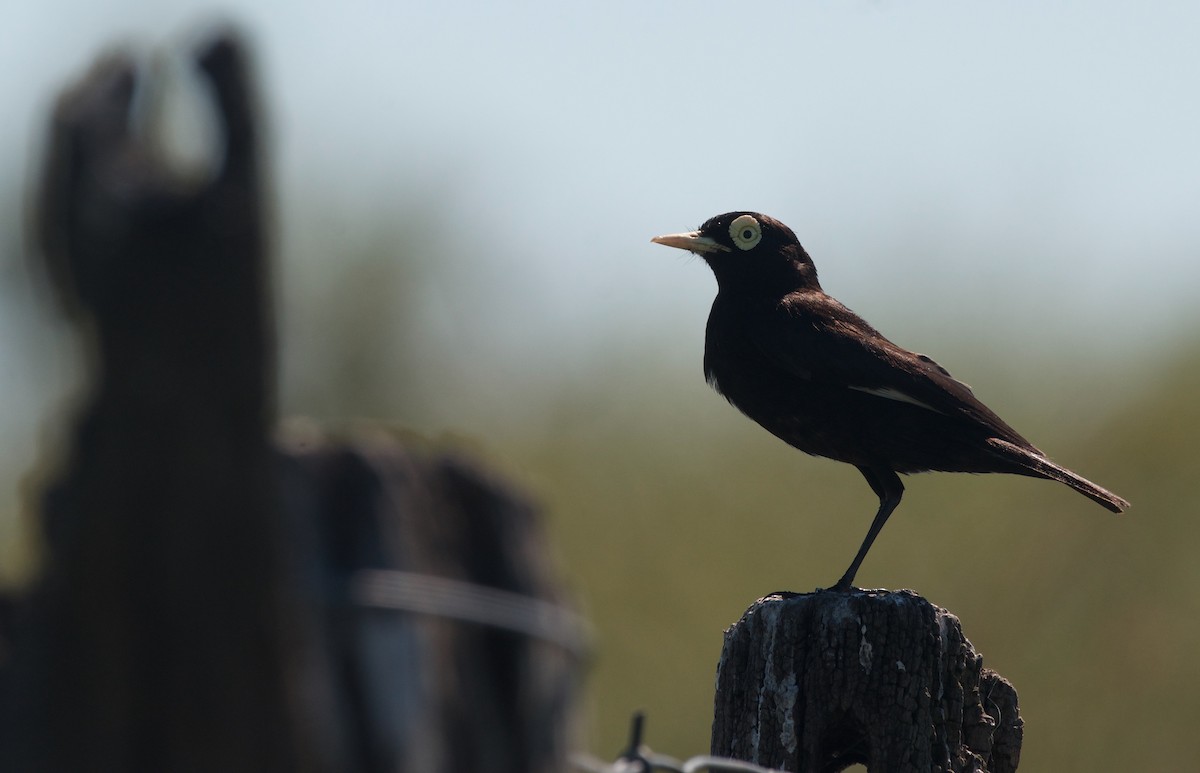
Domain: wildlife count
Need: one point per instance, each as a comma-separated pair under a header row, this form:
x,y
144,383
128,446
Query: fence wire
x,y
648,761
455,599
638,758
459,600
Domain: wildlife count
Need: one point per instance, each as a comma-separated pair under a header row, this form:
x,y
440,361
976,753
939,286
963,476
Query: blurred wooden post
x,y
819,681
157,636
208,602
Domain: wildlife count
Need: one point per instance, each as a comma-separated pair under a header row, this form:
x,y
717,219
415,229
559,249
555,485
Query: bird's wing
x,y
814,337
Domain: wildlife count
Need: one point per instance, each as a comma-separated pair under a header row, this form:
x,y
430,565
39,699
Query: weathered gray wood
x,y
819,681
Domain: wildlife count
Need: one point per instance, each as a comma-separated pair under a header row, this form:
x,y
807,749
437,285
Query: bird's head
x,y
747,250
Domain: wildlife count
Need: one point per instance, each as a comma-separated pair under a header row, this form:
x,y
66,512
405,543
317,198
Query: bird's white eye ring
x,y
745,232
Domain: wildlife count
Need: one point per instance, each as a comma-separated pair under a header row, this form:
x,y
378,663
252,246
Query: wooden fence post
x,y
819,681
209,601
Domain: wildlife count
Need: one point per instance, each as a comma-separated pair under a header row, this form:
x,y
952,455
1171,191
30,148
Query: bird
x,y
817,376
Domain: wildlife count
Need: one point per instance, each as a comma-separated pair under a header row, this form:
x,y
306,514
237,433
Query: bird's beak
x,y
691,241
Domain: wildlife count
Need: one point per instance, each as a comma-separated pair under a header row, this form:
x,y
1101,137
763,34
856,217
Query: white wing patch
x,y
895,394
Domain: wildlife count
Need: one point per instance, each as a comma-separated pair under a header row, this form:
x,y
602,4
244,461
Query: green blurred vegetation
x,y
671,513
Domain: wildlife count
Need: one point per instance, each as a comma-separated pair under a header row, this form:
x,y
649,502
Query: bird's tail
x,y
1039,466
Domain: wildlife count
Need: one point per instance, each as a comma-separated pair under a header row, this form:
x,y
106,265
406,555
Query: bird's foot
x,y
844,585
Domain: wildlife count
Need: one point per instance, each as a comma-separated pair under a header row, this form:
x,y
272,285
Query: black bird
x,y
817,376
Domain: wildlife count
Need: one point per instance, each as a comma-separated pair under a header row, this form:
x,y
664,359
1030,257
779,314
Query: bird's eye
x,y
745,232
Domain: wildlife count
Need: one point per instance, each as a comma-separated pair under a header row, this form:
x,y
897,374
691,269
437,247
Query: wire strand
x,y
402,591
661,762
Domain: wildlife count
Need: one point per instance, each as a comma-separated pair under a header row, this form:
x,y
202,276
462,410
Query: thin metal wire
x,y
397,590
591,764
459,600
723,764
638,758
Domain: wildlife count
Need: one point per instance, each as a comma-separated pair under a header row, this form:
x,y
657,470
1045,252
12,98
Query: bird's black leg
x,y
887,486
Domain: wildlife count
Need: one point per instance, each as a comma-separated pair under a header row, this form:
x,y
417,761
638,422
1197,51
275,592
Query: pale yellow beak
x,y
691,241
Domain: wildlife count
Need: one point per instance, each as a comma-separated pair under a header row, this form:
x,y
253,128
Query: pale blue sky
x,y
1056,140
995,168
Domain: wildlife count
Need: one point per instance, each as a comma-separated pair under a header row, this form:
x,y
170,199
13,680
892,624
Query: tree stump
x,y
821,681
